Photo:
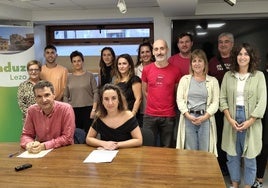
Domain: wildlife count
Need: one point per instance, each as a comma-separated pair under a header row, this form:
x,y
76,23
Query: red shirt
x,y
161,89
183,64
54,130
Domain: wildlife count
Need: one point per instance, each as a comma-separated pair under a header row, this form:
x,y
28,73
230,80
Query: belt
x,y
199,112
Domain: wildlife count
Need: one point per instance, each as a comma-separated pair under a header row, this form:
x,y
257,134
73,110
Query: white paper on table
x,y
42,153
101,156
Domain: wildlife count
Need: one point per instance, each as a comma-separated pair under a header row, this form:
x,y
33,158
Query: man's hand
x,y
35,147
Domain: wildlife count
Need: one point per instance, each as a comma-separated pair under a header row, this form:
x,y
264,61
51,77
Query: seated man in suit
x,y
49,123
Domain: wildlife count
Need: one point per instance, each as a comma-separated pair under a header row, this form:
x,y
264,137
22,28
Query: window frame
x,y
50,29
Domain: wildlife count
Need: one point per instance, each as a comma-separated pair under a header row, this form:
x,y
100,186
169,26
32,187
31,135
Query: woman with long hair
x,y
117,126
243,101
145,57
129,83
106,65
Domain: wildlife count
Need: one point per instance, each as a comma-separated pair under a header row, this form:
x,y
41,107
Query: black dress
x,y
106,78
126,87
121,133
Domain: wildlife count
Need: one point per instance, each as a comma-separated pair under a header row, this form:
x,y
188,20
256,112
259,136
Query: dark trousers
x,y
82,117
162,127
222,156
262,161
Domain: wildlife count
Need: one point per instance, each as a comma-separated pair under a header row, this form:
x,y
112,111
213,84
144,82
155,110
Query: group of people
x,y
66,103
217,106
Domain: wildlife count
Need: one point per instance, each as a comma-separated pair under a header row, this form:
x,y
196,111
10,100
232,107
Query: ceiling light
x,y
201,33
231,2
122,6
25,0
212,25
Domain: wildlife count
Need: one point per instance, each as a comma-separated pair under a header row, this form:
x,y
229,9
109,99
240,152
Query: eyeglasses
x,y
33,70
224,41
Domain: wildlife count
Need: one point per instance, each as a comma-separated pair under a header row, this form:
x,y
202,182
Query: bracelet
x,y
93,110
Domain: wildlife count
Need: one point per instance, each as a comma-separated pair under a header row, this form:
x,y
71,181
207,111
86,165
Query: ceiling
x,y
76,4
168,7
97,4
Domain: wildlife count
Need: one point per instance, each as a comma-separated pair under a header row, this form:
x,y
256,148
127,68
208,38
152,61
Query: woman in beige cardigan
x,y
198,101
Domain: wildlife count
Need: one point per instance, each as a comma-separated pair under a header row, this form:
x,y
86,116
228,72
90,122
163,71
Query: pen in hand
x,y
13,154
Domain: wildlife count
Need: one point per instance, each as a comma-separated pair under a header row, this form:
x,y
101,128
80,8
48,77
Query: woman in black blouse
x,y
106,65
129,83
117,126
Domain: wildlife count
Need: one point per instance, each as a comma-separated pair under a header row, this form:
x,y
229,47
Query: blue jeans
x,y
160,126
197,136
234,162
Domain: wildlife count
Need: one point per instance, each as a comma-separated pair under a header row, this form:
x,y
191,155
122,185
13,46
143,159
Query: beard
x,y
160,58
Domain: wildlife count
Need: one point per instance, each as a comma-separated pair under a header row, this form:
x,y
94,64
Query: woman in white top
x,y
145,57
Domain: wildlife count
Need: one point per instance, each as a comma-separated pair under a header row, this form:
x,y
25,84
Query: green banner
x,y
16,50
10,115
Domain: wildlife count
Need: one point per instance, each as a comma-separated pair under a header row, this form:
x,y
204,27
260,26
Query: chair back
x,y
79,136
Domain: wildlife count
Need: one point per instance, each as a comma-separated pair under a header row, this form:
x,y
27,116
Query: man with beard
x,y
53,72
182,62
218,66
159,84
182,59
48,124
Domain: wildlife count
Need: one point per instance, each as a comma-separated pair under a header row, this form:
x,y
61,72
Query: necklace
x,y
242,78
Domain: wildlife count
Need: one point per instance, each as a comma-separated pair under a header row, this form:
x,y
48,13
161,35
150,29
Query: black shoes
x,y
257,184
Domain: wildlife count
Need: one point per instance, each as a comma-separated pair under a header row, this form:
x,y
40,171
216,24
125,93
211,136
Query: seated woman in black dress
x,y
117,126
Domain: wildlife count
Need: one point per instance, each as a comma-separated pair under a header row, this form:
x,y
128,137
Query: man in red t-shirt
x,y
182,59
159,84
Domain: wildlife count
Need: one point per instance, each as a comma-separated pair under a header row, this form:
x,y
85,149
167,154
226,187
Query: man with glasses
x,y
218,66
49,123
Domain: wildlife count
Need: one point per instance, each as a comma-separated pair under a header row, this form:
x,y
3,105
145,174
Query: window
x,y
118,36
102,34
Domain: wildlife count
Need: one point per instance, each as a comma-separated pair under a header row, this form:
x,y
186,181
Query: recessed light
x,y
212,25
201,33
